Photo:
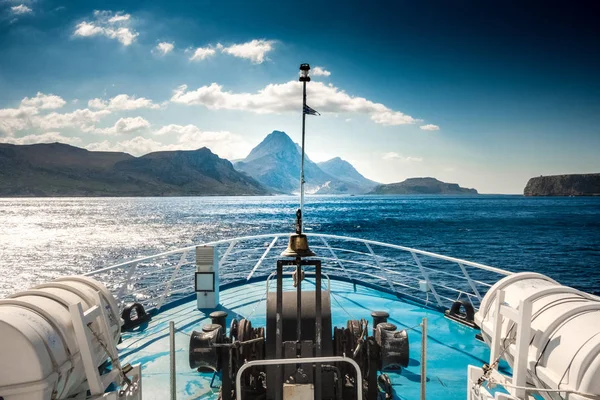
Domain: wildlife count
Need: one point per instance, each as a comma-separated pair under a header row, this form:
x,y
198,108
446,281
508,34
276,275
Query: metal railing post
x,y
123,290
424,359
229,248
385,274
159,295
471,283
170,283
172,370
259,262
335,257
426,276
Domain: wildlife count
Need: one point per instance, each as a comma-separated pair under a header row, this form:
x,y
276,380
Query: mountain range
x,y
61,170
272,167
275,163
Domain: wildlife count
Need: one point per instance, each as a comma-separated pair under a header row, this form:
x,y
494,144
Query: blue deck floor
x,y
450,349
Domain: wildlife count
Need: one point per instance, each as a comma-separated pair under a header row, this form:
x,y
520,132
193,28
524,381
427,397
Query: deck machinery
x,y
299,327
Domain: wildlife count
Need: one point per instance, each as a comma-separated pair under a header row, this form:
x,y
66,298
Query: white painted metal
x,y
424,359
260,260
123,289
207,261
385,274
426,276
182,261
337,260
247,259
471,283
172,363
344,238
299,360
549,334
224,258
44,342
82,321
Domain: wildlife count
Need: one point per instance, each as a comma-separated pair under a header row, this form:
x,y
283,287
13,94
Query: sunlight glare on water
x,y
43,238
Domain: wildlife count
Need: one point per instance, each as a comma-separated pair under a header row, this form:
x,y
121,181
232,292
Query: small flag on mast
x,y
310,111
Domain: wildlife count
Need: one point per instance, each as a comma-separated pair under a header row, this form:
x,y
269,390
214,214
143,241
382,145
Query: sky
x,y
484,94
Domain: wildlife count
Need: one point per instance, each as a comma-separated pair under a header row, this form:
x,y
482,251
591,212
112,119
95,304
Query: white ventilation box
x,y
206,282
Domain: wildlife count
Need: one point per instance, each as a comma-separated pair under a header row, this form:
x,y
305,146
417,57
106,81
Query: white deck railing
x,y
157,280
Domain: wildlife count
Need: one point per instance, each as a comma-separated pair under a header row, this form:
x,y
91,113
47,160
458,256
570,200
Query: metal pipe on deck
x,y
318,328
424,359
172,371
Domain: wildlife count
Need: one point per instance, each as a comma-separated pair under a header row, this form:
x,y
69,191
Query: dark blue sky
x,y
513,86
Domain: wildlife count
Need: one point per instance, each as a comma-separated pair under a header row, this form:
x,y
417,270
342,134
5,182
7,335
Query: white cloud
x,y
125,126
24,117
276,98
119,18
430,127
202,53
320,156
395,156
124,35
348,119
15,119
49,137
180,137
319,71
137,146
391,156
254,50
164,48
83,119
88,29
30,115
21,9
122,102
190,137
43,101
109,24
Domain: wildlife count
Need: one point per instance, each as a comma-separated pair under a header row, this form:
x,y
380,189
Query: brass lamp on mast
x,y
298,244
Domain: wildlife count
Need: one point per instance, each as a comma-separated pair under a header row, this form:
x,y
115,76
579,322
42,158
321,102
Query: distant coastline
x,y
272,167
423,186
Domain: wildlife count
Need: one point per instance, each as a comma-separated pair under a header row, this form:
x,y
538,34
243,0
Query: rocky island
x,y
422,186
564,185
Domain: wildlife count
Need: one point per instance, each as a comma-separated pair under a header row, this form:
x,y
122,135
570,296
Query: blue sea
x,y
42,238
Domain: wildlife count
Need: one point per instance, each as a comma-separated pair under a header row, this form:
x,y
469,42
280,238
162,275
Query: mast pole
x,y
304,68
302,161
